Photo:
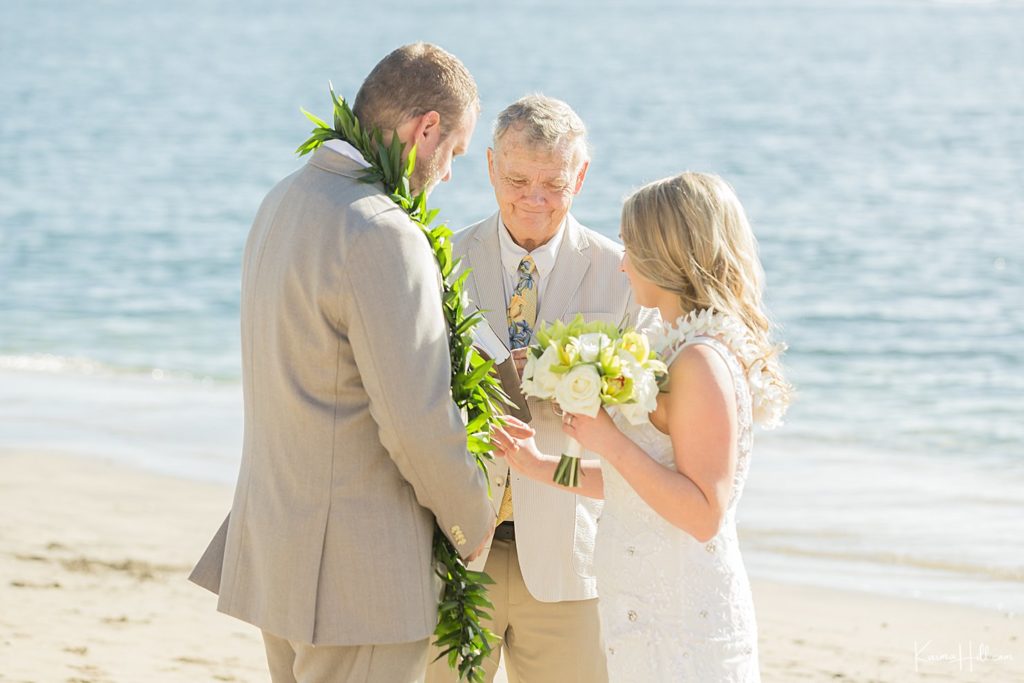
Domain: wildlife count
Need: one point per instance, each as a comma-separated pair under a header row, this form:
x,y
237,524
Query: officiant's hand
x,y
519,356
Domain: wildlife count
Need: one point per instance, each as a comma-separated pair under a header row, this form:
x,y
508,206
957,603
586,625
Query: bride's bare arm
x,y
702,426
515,443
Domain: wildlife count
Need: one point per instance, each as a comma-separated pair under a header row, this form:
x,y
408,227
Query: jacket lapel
x,y
484,257
571,265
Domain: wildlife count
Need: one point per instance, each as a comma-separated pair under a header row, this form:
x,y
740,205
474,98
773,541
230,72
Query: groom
x,y
353,446
532,262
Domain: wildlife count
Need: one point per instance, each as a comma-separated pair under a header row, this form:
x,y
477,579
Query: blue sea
x,y
877,146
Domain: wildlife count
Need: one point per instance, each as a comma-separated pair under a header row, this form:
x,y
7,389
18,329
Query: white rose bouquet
x,y
583,366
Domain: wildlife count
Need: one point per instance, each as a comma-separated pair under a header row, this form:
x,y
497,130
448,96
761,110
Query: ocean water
x,y
877,146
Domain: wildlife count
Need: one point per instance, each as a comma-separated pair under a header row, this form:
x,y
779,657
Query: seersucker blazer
x,y
555,529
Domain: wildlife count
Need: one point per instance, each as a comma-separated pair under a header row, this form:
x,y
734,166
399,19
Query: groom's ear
x,y
423,130
429,128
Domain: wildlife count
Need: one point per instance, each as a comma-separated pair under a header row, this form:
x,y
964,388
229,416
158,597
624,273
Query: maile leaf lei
x,y
476,391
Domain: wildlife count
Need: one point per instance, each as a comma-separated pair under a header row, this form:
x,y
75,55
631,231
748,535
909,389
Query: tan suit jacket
x,y
353,445
555,530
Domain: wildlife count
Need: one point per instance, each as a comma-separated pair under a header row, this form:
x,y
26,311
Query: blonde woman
x,y
675,599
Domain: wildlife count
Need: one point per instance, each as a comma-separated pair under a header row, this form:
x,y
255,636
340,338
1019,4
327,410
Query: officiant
x,y
533,262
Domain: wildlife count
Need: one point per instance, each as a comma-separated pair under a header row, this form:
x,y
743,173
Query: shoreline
x,y
934,528
94,556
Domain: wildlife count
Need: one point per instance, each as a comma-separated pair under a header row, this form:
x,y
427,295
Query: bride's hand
x,y
515,443
597,434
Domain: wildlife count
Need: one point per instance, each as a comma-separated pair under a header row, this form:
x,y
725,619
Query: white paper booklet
x,y
487,341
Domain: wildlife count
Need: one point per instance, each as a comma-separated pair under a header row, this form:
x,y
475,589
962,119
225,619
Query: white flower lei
x,y
767,393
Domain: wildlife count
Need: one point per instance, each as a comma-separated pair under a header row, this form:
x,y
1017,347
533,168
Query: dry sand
x,y
93,559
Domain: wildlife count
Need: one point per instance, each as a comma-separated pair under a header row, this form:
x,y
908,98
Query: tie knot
x,y
526,266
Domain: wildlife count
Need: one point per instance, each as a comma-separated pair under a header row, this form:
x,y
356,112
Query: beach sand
x,y
94,555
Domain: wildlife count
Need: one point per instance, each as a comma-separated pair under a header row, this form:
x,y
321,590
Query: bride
x,y
675,599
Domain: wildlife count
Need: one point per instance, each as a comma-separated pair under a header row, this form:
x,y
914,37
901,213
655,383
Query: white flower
x,y
591,345
766,395
538,380
579,391
645,397
630,366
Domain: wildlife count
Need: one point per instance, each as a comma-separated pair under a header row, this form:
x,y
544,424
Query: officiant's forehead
x,y
517,156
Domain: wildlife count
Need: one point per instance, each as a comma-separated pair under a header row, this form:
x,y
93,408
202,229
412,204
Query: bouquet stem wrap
x,y
568,471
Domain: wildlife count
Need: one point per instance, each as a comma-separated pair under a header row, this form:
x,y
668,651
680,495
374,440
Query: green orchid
x,y
616,390
636,345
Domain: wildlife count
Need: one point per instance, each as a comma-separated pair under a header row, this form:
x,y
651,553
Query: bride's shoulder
x,y
699,369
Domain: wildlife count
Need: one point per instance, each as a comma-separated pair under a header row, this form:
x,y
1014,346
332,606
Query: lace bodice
x,y
672,608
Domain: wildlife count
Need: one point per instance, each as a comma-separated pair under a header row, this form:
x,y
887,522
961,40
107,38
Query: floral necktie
x,y
522,316
522,307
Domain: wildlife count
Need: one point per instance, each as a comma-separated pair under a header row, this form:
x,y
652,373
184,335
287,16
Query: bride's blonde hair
x,y
689,235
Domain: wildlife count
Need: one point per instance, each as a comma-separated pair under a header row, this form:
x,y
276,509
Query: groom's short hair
x,y
411,81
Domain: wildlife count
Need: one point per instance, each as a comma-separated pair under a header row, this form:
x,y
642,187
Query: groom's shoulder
x,y
372,211
313,191
342,202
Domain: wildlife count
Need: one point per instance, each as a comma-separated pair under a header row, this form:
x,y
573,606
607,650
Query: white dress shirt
x,y
512,255
346,150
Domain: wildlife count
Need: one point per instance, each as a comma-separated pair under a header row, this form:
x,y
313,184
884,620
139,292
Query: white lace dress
x,y
672,608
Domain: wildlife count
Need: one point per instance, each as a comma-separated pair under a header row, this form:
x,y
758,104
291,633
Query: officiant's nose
x,y
535,194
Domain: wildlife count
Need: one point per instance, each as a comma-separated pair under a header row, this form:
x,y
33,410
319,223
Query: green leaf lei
x,y
475,389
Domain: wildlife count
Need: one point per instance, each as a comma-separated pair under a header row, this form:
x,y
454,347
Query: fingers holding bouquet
x,y
597,434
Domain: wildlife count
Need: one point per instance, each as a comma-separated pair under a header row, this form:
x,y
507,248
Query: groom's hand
x,y
480,548
519,356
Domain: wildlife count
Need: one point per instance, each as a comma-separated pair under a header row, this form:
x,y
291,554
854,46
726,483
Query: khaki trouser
x,y
302,663
544,642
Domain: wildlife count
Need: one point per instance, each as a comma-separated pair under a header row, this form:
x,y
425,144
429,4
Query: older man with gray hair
x,y
532,262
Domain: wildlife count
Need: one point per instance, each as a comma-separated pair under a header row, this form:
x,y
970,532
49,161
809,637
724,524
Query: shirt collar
x,y
346,150
543,256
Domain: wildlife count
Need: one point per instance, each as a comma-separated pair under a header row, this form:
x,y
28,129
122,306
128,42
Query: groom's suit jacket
x,y
555,529
352,443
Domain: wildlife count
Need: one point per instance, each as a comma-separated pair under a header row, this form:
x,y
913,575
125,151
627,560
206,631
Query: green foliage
x,y
475,390
559,332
